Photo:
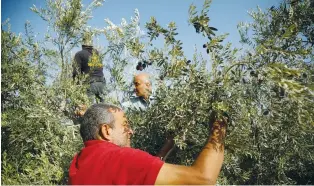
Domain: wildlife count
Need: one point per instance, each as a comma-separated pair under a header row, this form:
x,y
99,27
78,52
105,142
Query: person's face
x,y
142,86
121,133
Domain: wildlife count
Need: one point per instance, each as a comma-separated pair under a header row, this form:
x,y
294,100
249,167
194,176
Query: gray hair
x,y
96,115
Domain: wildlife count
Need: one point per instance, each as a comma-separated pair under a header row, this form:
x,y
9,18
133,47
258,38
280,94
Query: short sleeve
x,y
138,167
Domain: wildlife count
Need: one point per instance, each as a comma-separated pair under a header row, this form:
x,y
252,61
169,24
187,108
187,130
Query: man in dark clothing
x,y
96,76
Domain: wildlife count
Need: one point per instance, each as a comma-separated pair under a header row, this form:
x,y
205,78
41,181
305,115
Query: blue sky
x,y
224,15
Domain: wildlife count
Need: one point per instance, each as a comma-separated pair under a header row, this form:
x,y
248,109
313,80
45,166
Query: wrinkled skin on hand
x,y
80,110
218,133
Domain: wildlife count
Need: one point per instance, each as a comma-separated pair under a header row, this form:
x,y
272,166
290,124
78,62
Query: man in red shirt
x,y
108,158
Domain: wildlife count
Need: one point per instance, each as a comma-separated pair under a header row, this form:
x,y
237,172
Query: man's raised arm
x,y
205,169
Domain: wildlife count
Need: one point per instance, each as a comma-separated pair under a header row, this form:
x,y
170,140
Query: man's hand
x,y
218,132
80,110
167,148
206,168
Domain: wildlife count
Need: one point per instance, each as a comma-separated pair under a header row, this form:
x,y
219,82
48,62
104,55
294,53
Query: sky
x,y
224,15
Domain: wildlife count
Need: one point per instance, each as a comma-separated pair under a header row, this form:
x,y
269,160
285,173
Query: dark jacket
x,y
81,63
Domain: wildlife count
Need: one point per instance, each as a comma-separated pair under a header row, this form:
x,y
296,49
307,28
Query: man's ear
x,y
105,132
148,84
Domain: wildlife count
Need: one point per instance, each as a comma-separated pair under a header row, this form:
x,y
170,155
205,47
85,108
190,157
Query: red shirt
x,y
105,163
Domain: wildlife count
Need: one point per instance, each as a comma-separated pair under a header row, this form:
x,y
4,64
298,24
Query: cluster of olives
x,y
215,46
205,46
265,112
142,65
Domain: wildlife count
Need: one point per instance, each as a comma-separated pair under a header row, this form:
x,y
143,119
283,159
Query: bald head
x,y
142,77
142,83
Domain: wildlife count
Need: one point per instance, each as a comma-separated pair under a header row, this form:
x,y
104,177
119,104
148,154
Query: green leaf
x,y
213,28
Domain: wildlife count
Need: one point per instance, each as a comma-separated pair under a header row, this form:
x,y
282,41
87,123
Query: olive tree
x,y
38,143
266,92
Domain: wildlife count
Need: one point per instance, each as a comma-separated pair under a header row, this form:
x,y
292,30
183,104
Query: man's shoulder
x,y
78,55
81,52
129,98
132,102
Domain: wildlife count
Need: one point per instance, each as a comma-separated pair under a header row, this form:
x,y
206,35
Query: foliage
x,y
37,143
120,38
267,92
